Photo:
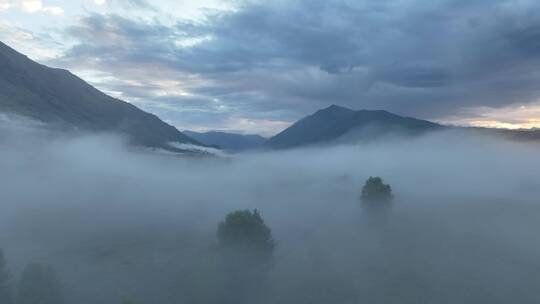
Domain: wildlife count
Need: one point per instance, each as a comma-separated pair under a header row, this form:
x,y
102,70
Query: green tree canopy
x,y
245,232
39,285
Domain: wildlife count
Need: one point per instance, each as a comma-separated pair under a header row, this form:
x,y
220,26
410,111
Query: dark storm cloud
x,y
113,38
416,58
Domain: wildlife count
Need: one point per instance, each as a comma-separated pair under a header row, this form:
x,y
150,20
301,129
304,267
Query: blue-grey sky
x,y
256,66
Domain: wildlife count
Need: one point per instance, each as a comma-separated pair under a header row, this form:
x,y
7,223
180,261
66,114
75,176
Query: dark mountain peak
x,y
335,122
335,109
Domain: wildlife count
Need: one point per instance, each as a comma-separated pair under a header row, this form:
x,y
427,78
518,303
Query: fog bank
x,y
117,221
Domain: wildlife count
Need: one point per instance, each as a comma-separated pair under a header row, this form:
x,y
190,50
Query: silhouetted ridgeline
x,y
339,125
58,97
228,141
330,124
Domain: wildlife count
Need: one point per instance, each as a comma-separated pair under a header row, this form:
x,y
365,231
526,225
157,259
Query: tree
x,y
244,232
376,192
6,296
246,246
39,284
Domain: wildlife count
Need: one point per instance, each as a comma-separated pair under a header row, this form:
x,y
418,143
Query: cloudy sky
x,y
256,66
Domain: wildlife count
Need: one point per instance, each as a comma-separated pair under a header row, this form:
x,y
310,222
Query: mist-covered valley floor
x,y
118,223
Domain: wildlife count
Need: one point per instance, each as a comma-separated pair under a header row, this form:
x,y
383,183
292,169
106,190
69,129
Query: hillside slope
x,y
58,97
228,141
334,122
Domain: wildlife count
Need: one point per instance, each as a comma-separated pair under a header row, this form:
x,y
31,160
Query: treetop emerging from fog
x,y
375,190
245,231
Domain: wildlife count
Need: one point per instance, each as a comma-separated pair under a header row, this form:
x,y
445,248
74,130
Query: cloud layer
x,y
31,7
275,62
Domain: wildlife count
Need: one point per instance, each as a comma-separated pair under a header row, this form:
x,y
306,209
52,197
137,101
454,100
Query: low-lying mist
x,y
120,222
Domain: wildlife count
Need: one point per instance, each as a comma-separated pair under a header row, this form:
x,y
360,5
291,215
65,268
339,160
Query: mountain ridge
x,y
57,96
335,121
232,142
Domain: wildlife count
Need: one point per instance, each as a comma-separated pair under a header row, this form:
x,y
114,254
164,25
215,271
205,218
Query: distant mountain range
x,y
336,124
228,141
340,124
331,125
57,97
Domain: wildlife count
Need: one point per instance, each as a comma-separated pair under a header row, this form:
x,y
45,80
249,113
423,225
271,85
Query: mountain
x,y
59,98
337,123
228,141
